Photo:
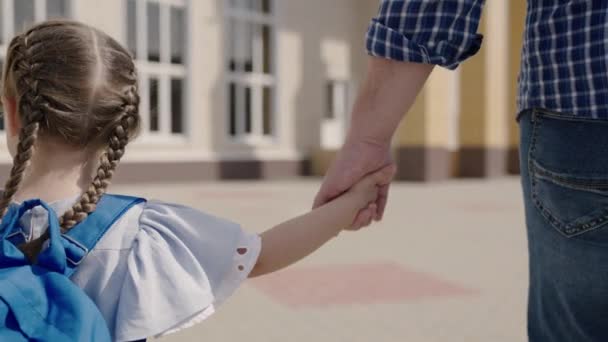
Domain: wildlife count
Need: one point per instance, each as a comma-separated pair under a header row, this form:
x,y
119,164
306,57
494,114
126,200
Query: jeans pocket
x,y
568,167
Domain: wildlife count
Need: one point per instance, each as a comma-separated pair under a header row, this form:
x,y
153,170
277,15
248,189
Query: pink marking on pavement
x,y
254,194
335,285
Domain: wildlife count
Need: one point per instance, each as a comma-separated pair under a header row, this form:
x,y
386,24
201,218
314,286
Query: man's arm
x,y
390,88
405,40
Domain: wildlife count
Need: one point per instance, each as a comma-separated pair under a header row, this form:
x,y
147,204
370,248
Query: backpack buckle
x,y
74,250
17,237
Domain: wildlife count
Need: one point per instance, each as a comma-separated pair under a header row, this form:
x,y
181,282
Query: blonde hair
x,y
74,83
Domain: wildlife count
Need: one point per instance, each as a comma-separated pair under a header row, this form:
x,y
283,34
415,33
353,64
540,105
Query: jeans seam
x,y
544,212
536,122
564,229
583,185
568,230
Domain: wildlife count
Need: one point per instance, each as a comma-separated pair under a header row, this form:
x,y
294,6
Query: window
x,y
338,102
157,36
18,15
337,99
250,64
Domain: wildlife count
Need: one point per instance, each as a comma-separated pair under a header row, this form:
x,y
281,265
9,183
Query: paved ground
x,y
448,263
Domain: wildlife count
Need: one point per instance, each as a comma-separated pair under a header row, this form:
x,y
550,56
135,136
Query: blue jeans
x,y
564,167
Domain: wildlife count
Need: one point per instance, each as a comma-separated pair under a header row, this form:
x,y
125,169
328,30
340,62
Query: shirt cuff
x,y
385,42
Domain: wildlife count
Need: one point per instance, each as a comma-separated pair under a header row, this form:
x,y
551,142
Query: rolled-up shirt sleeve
x,y
441,32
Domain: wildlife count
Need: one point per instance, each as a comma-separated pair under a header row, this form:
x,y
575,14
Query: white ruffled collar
x,y
35,221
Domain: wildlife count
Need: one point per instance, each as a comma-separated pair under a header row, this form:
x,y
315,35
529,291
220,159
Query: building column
x,y
422,141
517,18
485,111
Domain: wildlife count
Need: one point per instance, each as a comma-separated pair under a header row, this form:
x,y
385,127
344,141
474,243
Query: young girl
x,y
71,106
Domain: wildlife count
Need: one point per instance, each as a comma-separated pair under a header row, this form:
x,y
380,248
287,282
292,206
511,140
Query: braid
x,y
108,162
31,105
27,138
129,119
84,95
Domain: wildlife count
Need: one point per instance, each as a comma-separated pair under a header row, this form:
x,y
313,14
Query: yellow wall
x,y
485,82
486,90
517,10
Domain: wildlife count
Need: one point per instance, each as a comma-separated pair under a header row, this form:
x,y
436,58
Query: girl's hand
x,y
293,240
366,192
356,159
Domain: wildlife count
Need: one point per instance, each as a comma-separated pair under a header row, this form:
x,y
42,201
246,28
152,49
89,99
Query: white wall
x,y
318,43
107,15
110,17
315,43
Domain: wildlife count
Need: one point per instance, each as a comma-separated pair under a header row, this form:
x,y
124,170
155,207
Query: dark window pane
x,y
57,9
267,48
178,35
231,39
248,110
241,46
153,9
266,6
2,118
268,109
154,104
24,15
245,39
177,105
259,5
1,21
329,110
1,107
132,26
232,98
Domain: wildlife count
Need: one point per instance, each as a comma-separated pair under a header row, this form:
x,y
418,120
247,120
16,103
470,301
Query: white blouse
x,y
161,267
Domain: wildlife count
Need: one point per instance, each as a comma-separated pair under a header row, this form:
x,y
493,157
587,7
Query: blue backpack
x,y
39,302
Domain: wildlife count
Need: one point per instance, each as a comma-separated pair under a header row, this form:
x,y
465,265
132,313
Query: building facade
x,y
237,89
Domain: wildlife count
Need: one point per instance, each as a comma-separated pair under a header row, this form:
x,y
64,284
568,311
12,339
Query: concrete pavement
x,y
448,263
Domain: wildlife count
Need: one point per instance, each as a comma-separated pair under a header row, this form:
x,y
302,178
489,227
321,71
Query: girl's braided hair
x,y
73,83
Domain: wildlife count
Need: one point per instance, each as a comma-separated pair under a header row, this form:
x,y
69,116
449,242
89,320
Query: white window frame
x,y
163,71
255,80
8,24
333,129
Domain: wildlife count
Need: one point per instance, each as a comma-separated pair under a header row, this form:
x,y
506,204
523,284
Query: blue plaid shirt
x,y
564,55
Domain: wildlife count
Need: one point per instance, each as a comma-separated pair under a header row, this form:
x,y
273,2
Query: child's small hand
x,y
365,192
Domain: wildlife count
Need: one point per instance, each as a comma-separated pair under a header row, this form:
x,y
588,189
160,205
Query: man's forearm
x,y
387,94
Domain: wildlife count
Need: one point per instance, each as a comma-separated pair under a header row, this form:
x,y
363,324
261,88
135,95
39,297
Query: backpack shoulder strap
x,y
84,236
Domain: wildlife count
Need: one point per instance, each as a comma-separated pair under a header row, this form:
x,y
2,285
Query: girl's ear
x,y
11,119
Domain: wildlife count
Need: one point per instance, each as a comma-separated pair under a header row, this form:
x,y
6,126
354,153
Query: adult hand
x,y
388,92
355,160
